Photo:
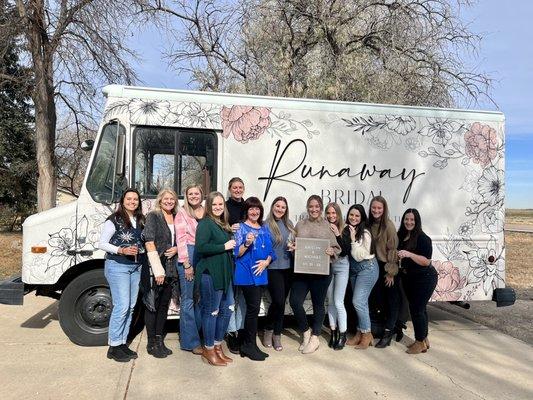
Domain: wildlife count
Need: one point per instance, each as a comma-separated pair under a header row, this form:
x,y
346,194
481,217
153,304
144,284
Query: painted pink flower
x,y
450,282
244,122
481,144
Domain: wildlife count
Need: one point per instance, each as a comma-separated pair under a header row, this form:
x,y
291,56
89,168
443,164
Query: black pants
x,y
385,301
155,320
252,297
279,281
419,287
318,286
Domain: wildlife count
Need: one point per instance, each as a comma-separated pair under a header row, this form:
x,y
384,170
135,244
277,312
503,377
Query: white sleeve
x,y
105,237
361,249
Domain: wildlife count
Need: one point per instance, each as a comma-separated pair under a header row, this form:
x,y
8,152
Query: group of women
x,y
225,255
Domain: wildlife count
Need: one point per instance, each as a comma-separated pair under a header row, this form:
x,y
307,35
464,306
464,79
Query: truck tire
x,y
85,307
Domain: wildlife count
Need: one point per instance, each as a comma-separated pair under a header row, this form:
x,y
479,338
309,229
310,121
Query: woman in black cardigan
x,y
161,275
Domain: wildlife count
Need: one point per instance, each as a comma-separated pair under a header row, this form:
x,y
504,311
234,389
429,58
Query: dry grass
x,y
11,254
519,260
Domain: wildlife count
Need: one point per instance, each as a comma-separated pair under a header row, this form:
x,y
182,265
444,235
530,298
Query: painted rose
x,y
244,122
450,282
481,144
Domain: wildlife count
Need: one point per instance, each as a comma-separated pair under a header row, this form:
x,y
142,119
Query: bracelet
x,y
187,267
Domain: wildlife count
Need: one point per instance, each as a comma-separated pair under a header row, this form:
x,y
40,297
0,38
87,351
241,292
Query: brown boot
x,y
426,341
210,356
221,355
366,340
417,348
354,340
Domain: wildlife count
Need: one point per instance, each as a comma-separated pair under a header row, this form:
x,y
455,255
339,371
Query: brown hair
x,y
340,222
271,221
221,221
384,218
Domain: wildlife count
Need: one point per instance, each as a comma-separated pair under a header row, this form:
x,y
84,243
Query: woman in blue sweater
x,y
253,253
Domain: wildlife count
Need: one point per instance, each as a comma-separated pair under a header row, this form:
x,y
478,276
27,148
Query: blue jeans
x,y
123,282
363,277
190,320
236,321
336,291
216,309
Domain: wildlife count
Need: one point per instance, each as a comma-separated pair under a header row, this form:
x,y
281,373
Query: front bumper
x,y
12,291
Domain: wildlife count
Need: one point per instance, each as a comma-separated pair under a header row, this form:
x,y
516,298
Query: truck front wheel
x,y
85,307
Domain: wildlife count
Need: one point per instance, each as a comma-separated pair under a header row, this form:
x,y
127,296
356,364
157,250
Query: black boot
x,y
159,338
157,350
261,352
341,342
233,342
333,339
250,351
398,330
132,354
116,353
150,345
385,340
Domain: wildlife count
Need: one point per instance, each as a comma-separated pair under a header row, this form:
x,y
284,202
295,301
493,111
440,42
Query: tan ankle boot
x,y
305,339
354,340
366,340
312,345
417,348
426,341
221,355
210,356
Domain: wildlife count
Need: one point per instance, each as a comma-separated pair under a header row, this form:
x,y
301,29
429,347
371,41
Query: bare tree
x,y
72,47
72,161
404,51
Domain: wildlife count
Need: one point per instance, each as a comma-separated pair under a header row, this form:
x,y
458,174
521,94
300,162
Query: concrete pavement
x,y
466,361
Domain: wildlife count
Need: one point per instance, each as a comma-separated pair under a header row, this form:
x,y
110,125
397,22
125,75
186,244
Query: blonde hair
x,y
159,198
340,222
221,221
186,206
273,226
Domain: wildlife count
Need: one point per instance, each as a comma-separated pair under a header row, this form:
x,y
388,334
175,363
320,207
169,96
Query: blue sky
x,y
506,53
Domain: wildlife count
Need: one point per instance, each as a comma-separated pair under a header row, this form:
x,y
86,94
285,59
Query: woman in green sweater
x,y
214,273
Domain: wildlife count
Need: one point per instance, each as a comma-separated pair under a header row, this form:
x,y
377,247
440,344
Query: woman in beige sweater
x,y
314,226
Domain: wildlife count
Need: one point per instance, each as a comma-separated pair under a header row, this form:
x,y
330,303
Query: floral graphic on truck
x,y
450,282
244,122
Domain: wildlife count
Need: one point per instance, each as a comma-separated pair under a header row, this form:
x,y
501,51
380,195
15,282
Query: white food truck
x,y
449,164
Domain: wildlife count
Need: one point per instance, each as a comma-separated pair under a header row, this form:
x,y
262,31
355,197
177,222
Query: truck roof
x,y
121,91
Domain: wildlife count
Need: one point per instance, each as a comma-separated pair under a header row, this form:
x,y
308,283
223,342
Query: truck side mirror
x,y
87,145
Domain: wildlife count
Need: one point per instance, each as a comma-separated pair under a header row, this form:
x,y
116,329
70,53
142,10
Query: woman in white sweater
x,y
364,272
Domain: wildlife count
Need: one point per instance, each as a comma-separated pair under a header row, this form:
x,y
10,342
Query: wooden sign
x,y
311,257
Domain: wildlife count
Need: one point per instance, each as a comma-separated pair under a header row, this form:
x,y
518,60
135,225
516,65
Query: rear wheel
x,y
85,307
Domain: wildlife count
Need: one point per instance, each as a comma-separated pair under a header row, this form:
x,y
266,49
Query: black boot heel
x,y
385,340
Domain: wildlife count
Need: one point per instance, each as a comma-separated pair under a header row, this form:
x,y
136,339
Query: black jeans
x,y
279,281
419,287
385,301
155,321
252,297
318,286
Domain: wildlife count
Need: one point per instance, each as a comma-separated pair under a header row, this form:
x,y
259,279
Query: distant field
x,y
523,217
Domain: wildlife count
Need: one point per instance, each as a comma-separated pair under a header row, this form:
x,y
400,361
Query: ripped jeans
x,y
216,307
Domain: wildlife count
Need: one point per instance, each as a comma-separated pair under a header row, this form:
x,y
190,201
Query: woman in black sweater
x,y
419,277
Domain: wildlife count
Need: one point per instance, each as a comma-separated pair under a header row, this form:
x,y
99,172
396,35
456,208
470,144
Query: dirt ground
x,y
515,320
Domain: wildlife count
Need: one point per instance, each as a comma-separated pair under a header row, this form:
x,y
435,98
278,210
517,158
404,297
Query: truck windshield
x,y
100,180
173,158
